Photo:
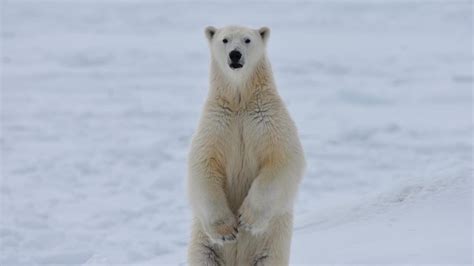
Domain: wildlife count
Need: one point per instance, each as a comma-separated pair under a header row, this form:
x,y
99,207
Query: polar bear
x,y
246,160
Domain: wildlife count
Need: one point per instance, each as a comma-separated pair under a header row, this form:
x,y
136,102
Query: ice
x,y
99,100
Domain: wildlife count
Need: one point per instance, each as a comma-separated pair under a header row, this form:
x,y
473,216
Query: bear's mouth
x,y
235,65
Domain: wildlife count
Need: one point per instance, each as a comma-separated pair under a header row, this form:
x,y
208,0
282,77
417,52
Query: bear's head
x,y
237,50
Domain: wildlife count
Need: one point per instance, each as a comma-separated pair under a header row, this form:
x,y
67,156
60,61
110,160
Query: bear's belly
x,y
241,166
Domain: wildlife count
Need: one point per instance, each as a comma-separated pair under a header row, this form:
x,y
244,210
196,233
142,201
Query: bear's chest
x,y
244,142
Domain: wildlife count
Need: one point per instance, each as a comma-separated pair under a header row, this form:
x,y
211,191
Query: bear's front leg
x,y
254,217
272,193
208,199
221,229
210,206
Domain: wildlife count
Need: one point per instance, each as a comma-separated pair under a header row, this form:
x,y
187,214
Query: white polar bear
x,y
246,160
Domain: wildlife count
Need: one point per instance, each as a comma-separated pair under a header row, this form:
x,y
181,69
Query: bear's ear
x,y
264,33
210,31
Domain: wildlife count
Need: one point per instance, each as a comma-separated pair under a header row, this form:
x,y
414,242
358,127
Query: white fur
x,y
245,161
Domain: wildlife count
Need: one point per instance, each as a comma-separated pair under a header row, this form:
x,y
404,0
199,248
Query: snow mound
x,y
423,222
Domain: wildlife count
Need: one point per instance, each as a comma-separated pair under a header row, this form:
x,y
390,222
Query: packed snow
x,y
99,100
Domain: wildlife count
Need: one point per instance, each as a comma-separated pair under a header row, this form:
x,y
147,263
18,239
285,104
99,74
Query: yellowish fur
x,y
245,159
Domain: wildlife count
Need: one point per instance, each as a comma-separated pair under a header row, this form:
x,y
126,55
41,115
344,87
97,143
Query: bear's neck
x,y
240,93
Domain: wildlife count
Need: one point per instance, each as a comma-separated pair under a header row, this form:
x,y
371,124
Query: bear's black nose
x,y
235,56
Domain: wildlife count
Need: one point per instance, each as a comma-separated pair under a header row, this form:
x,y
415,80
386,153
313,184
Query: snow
x,y
423,223
99,100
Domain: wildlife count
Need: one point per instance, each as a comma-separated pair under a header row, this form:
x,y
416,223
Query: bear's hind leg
x,y
205,255
273,247
202,252
260,260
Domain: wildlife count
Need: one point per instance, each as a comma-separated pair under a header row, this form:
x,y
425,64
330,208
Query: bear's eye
x,y
247,40
225,41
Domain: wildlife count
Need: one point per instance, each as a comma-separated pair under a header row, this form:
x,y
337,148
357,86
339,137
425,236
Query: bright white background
x,y
99,100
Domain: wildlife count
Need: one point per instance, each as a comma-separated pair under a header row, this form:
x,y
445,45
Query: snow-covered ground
x,y
100,98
